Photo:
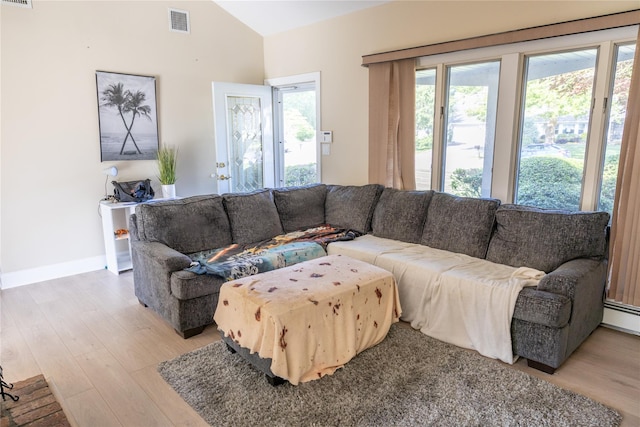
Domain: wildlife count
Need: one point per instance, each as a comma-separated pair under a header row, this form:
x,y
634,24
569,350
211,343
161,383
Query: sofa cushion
x,y
400,214
545,239
300,207
253,216
350,206
187,225
459,224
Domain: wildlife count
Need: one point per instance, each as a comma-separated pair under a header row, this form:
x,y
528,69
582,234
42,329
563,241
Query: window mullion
x,y
278,136
438,130
505,152
596,136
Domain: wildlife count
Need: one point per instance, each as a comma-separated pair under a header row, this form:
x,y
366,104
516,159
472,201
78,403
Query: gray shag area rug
x,y
407,380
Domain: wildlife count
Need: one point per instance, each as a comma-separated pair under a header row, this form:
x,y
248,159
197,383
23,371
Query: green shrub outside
x,y
609,179
549,182
467,182
545,182
296,175
424,143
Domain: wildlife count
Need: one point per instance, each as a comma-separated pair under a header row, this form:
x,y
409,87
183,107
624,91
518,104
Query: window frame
x,y
508,117
445,124
588,142
308,79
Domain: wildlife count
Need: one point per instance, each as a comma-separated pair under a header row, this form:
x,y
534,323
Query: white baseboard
x,y
49,272
621,317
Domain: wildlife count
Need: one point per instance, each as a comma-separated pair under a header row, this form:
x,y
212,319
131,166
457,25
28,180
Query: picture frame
x,y
127,116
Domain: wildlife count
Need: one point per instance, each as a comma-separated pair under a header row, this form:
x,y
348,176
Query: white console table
x,y
115,220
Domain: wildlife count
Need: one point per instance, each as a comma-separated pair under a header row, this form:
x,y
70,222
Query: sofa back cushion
x,y
187,225
351,206
300,207
253,216
460,224
400,215
545,239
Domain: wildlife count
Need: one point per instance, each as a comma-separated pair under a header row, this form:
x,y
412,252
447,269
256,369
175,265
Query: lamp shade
x,y
113,171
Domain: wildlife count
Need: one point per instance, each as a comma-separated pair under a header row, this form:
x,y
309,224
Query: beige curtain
x,y
392,124
624,283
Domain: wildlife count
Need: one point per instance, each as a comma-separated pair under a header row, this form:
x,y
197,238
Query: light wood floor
x,y
98,349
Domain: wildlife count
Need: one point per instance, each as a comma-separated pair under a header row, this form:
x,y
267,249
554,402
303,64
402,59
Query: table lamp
x,y
112,171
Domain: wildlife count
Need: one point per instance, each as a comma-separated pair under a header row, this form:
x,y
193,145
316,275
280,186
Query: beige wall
x,y
51,174
335,48
50,171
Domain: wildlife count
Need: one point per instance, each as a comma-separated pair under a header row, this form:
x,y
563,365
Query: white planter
x,y
169,191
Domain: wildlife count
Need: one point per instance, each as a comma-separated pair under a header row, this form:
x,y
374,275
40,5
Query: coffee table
x,y
305,321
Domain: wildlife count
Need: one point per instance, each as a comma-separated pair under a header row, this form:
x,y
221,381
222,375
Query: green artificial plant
x,y
167,158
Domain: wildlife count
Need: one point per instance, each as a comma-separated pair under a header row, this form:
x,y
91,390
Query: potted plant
x,y
167,158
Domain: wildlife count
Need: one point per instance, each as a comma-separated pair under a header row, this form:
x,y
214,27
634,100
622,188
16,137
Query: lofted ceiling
x,y
267,17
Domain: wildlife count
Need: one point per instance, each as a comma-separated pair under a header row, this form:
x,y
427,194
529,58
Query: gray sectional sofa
x,y
549,322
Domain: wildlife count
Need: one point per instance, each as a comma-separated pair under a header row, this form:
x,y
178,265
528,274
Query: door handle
x,y
223,178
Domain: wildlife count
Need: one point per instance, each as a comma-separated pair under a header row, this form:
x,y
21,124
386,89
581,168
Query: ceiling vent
x,y
179,21
19,3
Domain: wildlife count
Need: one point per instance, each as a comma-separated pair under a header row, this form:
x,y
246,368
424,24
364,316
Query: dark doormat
x,y
36,405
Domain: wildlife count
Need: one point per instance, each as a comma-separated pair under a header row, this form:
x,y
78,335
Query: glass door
x,y
296,132
244,137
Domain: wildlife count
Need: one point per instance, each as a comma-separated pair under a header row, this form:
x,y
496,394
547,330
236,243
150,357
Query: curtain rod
x,y
584,25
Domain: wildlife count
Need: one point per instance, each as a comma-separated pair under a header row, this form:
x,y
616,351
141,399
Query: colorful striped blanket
x,y
236,261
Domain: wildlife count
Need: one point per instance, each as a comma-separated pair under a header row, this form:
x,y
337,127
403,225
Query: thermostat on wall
x,y
327,136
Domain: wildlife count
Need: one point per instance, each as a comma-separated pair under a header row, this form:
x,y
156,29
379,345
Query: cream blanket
x,y
310,318
453,297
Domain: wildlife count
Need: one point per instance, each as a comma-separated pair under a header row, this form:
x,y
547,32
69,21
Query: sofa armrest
x,y
544,308
153,265
574,274
160,256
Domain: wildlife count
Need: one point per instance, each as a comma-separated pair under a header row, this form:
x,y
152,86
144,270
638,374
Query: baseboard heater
x,y
623,317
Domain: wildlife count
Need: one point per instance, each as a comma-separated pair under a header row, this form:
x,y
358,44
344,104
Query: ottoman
x,y
308,319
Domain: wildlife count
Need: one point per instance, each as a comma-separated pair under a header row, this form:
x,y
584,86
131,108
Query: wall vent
x,y
19,3
179,21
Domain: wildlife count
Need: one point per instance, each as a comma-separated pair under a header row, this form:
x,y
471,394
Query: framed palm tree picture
x,y
127,115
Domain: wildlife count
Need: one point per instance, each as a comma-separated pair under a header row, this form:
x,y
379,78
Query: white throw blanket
x,y
453,297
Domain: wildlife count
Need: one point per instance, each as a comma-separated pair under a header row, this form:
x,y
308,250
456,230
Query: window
x,y
425,112
616,112
472,94
296,123
557,97
535,123
297,106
